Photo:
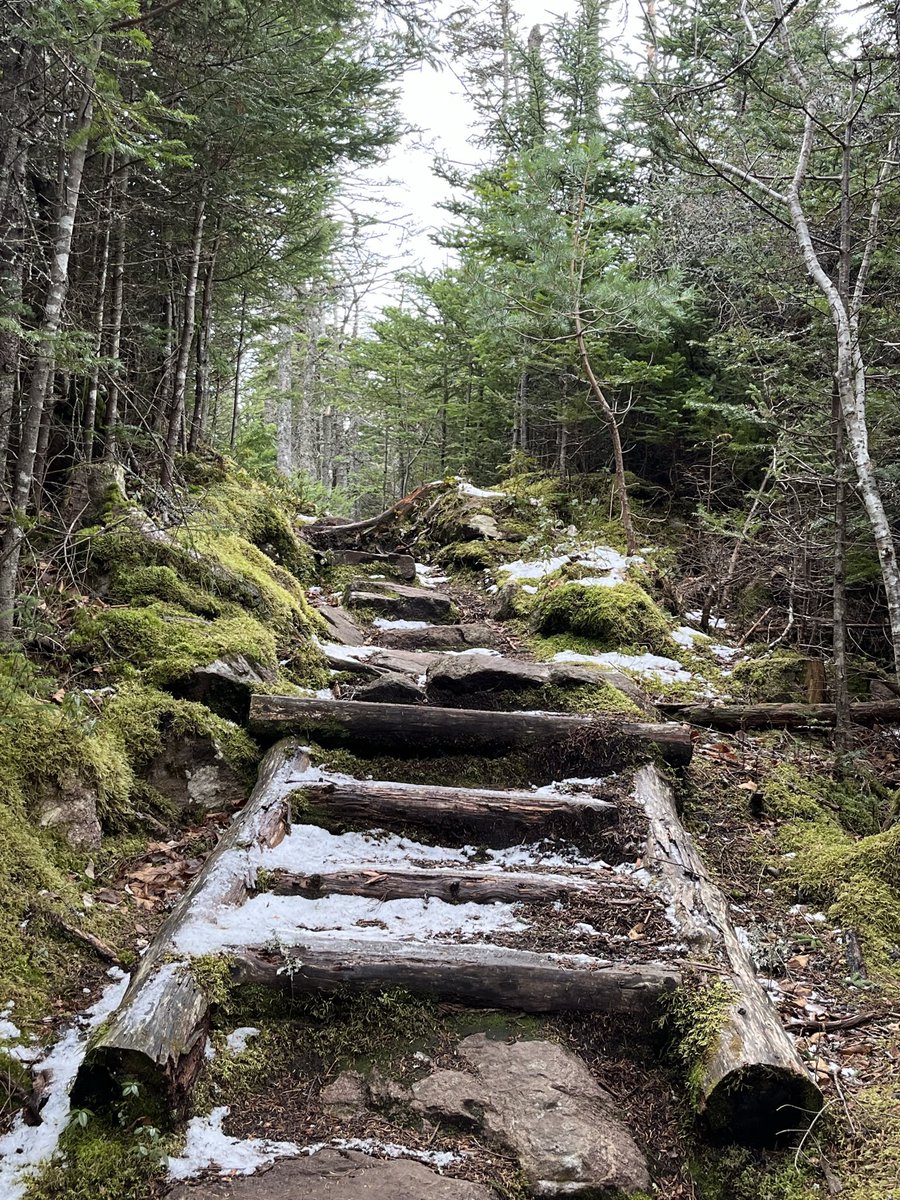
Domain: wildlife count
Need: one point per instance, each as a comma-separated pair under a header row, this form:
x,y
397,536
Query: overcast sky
x,y
434,102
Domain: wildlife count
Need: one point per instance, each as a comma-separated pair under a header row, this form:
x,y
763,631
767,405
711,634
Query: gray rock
x,y
398,601
338,1175
438,637
225,685
70,808
390,689
341,626
193,770
482,525
345,1095
545,1105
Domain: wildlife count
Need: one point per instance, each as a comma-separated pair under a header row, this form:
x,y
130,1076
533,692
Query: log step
x,y
451,886
593,743
483,976
495,818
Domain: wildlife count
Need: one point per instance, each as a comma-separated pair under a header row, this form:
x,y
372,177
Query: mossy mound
x,y
619,617
164,643
855,878
778,678
475,555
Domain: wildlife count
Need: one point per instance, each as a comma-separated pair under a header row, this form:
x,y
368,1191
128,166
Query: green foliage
x,y
622,617
736,1173
773,678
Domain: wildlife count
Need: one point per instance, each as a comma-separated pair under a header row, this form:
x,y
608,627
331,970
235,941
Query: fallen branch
x,y
781,716
338,535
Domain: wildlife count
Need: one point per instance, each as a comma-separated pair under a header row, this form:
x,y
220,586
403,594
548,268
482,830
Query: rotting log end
x,y
762,1105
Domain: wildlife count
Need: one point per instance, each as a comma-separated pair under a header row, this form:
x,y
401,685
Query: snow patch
x,y
207,1145
669,670
468,489
238,1038
284,919
434,1158
25,1147
384,623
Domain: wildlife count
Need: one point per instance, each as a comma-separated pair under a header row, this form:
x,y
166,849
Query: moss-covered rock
x,y
619,617
781,677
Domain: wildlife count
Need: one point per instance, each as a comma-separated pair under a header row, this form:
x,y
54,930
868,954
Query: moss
x,y
475,555
459,770
776,678
140,718
212,974
164,642
599,698
862,805
103,1161
875,1164
623,617
693,1018
856,879
737,1173
143,584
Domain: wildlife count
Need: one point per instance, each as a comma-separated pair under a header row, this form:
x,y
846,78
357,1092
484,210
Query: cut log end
x,y
761,1105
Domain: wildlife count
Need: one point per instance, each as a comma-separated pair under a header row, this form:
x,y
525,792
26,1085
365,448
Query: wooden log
x,y
403,564
496,818
158,1032
452,886
325,534
751,1084
439,637
592,742
483,976
782,716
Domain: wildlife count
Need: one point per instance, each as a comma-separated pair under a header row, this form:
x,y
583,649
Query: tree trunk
x,y
782,716
89,419
238,361
176,412
47,328
594,742
453,887
201,395
111,417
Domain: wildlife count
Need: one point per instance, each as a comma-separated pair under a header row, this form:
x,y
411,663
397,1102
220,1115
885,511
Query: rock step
x,y
399,601
439,637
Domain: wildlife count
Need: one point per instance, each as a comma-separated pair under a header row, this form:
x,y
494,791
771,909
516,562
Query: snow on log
x,y
483,976
497,818
158,1032
752,1084
595,742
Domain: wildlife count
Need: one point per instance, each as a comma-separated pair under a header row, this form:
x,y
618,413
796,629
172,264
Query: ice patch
x,y
430,576
25,1147
238,1038
305,519
8,1031
714,622
207,1145
285,919
349,654
475,650
685,636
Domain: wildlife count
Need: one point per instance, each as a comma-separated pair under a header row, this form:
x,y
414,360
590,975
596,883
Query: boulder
x,y
543,1103
345,1096
337,1175
398,601
225,685
193,770
70,807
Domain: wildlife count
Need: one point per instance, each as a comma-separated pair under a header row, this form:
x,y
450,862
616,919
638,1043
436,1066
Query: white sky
x,y
434,102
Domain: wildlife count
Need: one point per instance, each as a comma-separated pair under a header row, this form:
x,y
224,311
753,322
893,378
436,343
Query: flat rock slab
x,y
338,1175
439,637
390,689
542,1102
341,626
397,601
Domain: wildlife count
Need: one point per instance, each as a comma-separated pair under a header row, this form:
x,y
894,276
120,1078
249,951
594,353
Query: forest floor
x,y
345,1076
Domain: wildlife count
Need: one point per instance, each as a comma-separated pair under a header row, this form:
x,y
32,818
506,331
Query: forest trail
x,y
371,860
